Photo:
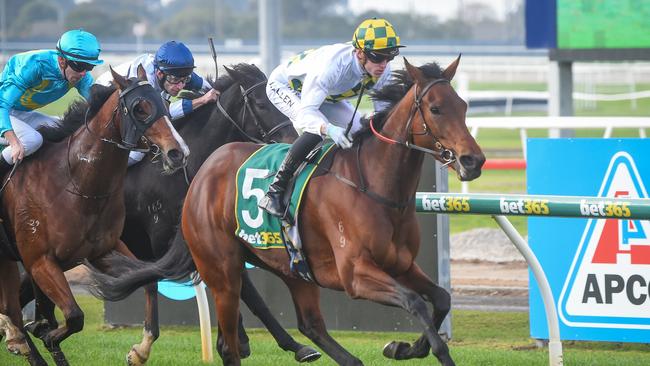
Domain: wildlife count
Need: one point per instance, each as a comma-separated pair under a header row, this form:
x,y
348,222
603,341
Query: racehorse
x,y
154,203
358,226
65,204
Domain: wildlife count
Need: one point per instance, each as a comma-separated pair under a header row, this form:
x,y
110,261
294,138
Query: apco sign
x,y
599,269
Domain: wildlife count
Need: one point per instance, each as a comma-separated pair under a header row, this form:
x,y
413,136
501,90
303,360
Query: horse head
x,y
260,120
143,115
437,122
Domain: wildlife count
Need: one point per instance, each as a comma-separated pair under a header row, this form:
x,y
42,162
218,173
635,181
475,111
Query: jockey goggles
x,y
173,79
79,66
379,57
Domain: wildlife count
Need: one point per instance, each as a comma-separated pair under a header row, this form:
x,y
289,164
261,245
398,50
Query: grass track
x,y
479,338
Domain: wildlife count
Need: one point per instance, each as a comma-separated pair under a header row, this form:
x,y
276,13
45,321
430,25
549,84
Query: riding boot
x,y
272,202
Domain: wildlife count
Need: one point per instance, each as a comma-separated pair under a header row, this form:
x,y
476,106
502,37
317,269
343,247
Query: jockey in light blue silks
x,y
169,71
31,80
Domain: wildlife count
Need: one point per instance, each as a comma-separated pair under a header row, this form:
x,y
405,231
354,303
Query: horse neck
x,y
95,166
206,132
393,170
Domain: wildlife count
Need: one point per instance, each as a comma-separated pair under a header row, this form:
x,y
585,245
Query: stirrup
x,y
267,203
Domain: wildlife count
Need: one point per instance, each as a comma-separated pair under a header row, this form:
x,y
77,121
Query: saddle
x,y
262,230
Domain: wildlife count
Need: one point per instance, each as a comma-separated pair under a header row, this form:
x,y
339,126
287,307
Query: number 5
x,y
248,191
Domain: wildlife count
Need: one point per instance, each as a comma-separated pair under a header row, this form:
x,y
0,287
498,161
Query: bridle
x,y
266,136
440,152
128,99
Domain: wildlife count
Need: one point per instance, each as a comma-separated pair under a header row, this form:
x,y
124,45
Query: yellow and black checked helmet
x,y
374,35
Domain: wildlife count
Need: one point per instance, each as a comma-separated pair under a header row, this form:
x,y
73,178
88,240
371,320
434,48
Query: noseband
x,y
266,136
442,153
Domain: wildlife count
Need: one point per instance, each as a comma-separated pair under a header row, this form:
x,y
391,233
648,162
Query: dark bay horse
x,y
358,224
65,204
154,203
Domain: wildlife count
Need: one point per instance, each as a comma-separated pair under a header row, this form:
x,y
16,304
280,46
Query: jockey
x,y
169,71
311,89
31,80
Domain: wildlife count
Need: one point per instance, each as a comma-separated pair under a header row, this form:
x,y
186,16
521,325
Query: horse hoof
x,y
133,358
18,348
394,350
244,350
307,354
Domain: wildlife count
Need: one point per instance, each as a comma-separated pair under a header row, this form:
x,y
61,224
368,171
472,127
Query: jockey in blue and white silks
x,y
169,71
33,79
311,90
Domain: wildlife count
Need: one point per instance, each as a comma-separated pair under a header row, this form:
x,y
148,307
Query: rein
x,y
265,135
440,152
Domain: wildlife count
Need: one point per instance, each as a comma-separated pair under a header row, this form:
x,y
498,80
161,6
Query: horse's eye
x,y
435,110
140,112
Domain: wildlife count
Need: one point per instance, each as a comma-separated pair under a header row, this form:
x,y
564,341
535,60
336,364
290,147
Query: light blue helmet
x,y
174,58
79,45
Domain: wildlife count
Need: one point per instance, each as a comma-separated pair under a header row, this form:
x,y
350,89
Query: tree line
x,y
196,19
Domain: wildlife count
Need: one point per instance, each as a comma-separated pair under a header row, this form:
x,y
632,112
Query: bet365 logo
x,y
608,284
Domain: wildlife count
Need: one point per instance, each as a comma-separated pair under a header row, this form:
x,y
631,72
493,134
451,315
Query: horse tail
x,y
128,274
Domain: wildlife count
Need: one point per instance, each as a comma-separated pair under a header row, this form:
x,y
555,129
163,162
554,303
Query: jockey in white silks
x,y
312,87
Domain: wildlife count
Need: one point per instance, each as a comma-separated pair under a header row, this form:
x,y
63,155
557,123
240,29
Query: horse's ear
x,y
450,71
142,75
119,80
414,72
230,71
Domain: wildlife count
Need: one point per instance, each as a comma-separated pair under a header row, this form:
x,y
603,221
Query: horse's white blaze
x,y
179,139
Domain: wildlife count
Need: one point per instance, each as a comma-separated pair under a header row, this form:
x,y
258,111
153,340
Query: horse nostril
x,y
176,157
471,161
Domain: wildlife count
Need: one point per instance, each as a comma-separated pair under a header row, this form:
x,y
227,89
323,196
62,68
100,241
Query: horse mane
x,y
391,93
243,72
75,116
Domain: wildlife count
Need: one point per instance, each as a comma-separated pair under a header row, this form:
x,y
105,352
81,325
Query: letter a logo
x,y
607,285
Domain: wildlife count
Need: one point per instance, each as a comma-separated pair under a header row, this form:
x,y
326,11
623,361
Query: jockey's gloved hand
x,y
337,134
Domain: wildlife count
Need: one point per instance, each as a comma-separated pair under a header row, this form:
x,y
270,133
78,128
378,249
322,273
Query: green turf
x,y
479,338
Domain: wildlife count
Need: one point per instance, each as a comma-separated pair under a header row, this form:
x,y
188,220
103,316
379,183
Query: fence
x,y
526,123
528,205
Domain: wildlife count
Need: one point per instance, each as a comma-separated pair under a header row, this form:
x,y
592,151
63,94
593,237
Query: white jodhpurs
x,y
24,124
287,101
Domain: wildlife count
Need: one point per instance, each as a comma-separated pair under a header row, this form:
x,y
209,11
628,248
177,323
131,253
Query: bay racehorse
x,y
358,226
65,204
154,202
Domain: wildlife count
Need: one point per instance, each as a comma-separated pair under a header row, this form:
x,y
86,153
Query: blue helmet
x,y
174,58
79,45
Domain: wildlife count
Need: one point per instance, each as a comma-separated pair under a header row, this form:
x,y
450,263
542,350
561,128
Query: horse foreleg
x,y
140,352
255,303
419,282
11,318
370,282
49,277
306,298
44,320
